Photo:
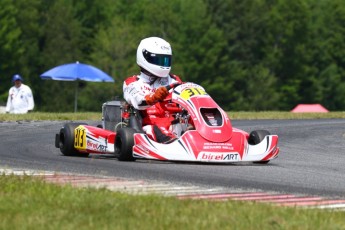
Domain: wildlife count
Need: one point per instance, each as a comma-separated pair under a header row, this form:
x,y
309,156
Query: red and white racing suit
x,y
136,88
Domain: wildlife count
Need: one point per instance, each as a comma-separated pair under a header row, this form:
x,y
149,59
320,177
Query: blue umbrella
x,y
76,72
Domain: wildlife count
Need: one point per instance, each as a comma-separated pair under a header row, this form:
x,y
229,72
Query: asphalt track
x,y
311,161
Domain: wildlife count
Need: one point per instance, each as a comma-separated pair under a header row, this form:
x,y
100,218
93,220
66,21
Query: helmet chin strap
x,y
153,77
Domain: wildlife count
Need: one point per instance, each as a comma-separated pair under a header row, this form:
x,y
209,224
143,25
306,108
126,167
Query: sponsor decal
x,y
96,146
131,91
166,48
102,148
80,137
147,88
219,156
219,146
216,130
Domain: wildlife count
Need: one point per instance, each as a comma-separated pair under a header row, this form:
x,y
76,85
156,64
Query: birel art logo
x,y
219,156
96,146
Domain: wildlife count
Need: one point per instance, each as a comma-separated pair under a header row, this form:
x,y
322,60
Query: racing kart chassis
x,y
212,138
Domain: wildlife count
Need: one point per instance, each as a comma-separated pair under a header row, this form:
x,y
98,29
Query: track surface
x,y
311,161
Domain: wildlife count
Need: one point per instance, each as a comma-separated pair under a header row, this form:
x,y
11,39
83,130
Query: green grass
x,y
52,116
233,115
29,203
284,115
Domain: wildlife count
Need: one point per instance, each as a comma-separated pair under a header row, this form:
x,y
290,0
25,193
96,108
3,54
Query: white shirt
x,y
20,99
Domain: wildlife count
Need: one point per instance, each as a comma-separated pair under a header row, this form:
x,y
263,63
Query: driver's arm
x,y
135,94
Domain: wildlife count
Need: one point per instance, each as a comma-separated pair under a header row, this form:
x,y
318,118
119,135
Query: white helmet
x,y
154,55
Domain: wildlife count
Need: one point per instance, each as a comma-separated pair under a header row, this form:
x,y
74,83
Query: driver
x,y
146,92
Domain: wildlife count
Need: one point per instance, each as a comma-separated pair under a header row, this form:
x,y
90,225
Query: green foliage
x,y
10,45
112,55
248,54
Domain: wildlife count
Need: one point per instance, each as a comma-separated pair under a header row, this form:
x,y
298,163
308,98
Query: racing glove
x,y
159,95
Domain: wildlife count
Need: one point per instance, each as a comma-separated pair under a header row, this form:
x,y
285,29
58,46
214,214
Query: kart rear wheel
x,y
255,137
124,143
66,140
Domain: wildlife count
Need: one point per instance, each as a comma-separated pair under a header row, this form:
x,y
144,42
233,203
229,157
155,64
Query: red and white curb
x,y
286,200
183,191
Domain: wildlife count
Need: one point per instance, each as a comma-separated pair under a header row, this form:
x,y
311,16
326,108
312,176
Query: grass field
x,y
29,203
232,115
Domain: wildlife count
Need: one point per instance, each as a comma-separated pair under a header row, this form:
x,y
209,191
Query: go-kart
x,y
204,132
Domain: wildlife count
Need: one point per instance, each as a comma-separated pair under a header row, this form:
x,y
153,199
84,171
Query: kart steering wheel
x,y
173,85
172,109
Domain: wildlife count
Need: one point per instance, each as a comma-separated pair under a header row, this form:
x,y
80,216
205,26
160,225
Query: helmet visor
x,y
157,59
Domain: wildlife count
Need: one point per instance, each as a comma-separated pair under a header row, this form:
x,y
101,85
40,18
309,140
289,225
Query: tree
x,y
28,63
10,45
60,44
263,35
286,33
114,52
328,55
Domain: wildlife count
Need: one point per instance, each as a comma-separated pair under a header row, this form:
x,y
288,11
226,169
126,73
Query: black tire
x,y
66,140
255,137
124,143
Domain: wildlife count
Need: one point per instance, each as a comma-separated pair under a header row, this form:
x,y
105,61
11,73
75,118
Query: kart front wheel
x,y
255,137
124,143
65,140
